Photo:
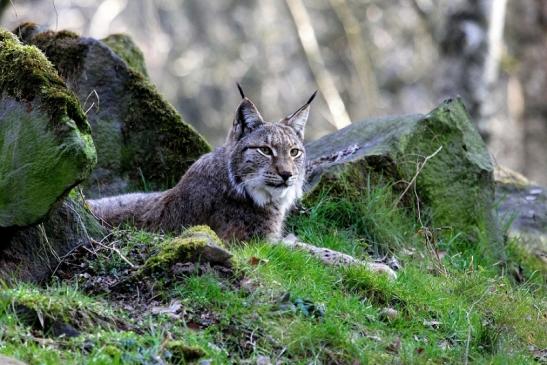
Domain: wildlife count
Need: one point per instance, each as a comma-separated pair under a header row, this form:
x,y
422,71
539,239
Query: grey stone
x,y
456,183
142,142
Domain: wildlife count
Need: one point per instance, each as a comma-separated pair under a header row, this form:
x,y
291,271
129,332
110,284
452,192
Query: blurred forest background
x,y
367,58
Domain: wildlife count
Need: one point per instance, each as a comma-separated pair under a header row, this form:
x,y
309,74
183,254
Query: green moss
x,y
46,143
63,49
109,150
125,48
457,183
59,304
186,247
180,351
25,73
176,143
157,144
353,180
455,187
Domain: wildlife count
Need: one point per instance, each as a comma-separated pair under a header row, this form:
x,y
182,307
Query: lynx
x,y
242,190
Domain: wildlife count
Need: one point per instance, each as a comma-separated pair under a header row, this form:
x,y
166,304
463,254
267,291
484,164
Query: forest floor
x,y
453,301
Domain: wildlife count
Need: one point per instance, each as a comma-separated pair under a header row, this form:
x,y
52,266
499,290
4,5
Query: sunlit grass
x,y
471,310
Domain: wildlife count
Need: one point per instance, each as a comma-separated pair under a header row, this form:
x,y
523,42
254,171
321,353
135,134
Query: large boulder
x,y
45,141
441,153
141,141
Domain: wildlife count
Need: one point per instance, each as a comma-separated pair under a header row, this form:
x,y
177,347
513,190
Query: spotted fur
x,y
241,190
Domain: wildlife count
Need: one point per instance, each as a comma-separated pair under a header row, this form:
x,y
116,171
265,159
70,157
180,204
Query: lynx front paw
x,y
331,257
381,269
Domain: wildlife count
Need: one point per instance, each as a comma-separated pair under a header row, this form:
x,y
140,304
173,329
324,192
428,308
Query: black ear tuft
x,y
311,97
240,90
297,120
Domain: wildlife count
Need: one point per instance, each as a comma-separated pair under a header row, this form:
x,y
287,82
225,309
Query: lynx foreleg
x,y
332,257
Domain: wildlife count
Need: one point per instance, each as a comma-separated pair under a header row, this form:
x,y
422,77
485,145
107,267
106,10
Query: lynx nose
x,y
285,175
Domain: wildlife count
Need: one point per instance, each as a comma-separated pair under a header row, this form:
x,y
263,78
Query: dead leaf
x,y
389,314
171,310
395,346
444,345
255,261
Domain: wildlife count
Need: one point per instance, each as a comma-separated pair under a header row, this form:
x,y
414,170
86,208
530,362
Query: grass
x,y
288,306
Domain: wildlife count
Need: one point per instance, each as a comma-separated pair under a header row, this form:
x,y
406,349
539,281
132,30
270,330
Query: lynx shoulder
x,y
241,190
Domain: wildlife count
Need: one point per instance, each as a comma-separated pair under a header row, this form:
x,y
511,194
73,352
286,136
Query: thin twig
x,y
62,258
306,34
117,251
413,180
428,234
93,92
14,8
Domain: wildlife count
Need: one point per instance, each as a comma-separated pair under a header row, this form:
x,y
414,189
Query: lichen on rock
x,y
45,142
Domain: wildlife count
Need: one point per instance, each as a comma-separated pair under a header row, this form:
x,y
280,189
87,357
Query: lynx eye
x,y
266,151
295,152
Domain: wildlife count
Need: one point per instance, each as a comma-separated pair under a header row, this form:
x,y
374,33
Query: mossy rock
x,y
523,205
180,352
45,140
141,140
198,243
127,50
455,186
33,253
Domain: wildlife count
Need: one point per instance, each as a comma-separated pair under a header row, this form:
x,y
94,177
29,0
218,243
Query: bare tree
x,y
340,117
471,48
3,6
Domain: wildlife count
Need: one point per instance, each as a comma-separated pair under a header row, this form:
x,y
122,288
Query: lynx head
x,y
267,160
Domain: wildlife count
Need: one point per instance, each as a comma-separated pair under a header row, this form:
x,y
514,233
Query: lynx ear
x,y
298,119
247,119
